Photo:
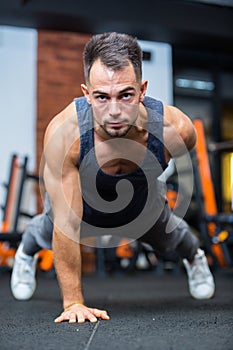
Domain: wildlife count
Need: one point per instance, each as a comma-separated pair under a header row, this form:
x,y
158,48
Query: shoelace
x,y
25,272
198,269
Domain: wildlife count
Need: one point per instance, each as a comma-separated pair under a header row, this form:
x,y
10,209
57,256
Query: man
x,y
103,155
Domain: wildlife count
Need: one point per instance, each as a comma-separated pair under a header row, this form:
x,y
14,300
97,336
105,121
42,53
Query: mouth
x,y
115,125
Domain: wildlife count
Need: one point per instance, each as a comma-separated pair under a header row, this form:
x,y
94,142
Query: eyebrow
x,y
127,89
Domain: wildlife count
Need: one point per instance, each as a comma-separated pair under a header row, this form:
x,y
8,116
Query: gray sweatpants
x,y
39,231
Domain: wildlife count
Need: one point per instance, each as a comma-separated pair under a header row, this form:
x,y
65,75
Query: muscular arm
x,y
61,149
179,132
67,210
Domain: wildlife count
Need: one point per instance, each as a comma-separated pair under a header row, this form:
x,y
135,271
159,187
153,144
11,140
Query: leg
x,y
181,240
38,235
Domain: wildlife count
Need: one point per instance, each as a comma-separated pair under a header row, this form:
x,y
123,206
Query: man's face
x,y
115,98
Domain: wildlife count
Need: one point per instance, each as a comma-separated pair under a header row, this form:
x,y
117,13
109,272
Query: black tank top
x,y
122,202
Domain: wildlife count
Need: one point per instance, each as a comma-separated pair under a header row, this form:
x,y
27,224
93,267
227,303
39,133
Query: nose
x,y
114,109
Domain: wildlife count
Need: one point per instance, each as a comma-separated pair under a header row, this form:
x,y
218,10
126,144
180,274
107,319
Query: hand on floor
x,y
80,313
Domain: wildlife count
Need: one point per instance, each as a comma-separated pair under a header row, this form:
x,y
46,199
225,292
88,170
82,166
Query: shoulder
x,y
178,123
62,124
173,116
62,133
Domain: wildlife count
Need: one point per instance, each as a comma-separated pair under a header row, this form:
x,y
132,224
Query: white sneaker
x,y
200,279
23,281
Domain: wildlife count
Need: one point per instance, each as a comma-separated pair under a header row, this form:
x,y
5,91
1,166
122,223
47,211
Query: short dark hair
x,y
115,50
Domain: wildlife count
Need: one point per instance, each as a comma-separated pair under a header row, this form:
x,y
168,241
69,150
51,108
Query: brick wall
x,y
59,75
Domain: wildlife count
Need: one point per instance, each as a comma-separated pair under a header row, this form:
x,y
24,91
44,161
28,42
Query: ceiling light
x,y
195,84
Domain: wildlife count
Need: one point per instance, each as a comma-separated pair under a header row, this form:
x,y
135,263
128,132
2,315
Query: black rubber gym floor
x,y
147,312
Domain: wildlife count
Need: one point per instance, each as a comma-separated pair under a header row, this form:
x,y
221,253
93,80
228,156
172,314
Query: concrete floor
x,y
147,312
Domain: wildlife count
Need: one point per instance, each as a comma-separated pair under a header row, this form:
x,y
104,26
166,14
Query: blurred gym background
x,y
188,59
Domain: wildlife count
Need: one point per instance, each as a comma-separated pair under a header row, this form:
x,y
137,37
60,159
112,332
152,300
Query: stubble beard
x,y
117,132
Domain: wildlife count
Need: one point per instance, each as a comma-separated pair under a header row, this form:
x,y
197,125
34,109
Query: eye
x,y
101,98
126,96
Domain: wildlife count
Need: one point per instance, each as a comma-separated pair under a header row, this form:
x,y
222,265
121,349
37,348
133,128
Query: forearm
x,y
67,258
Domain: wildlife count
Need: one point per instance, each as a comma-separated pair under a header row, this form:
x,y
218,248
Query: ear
x,y
86,93
143,90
